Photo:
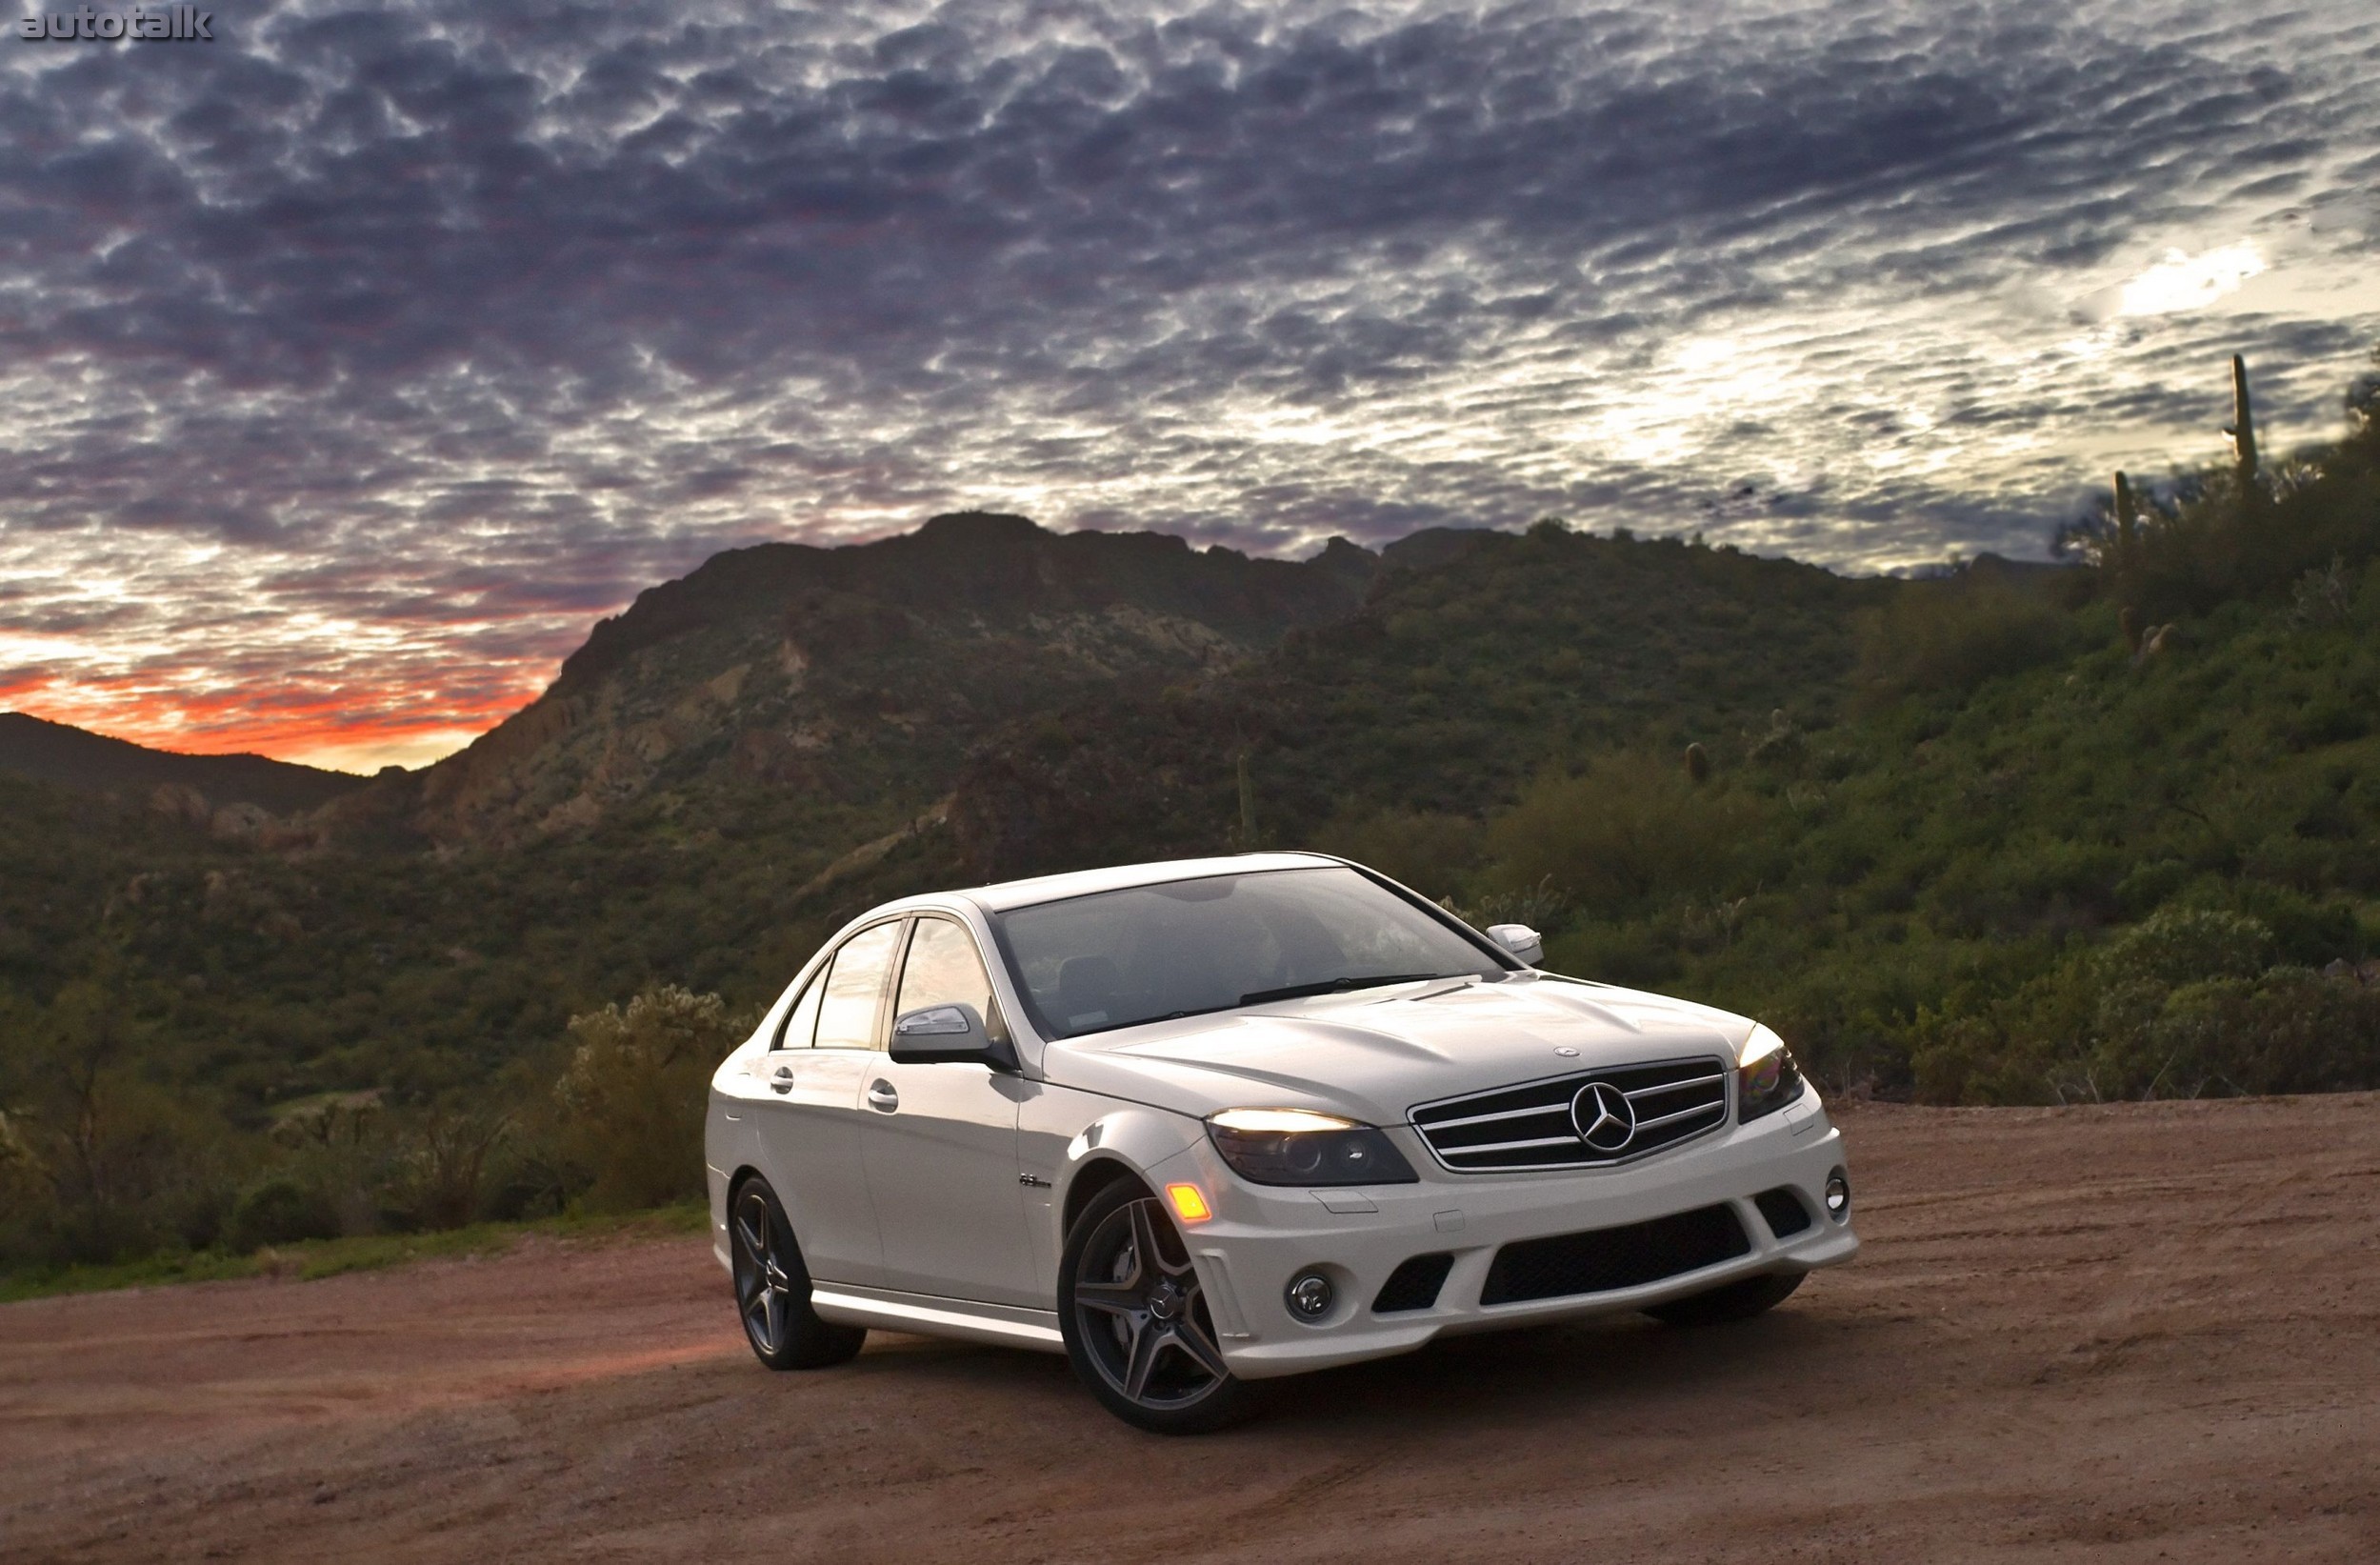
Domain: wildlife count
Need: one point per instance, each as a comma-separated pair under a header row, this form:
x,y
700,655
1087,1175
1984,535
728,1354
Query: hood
x,y
1375,1054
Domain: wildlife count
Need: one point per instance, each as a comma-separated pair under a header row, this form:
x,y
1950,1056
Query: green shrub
x,y
1966,1059
2290,1030
337,1147
1628,829
630,1104
282,1209
1429,852
2307,932
2178,946
444,1167
1950,637
99,1161
1540,907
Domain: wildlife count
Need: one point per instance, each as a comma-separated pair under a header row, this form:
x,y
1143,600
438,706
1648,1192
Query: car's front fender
x,y
1069,1143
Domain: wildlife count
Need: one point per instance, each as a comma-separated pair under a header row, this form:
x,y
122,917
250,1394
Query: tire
x,y
1736,1301
772,1287
1135,1320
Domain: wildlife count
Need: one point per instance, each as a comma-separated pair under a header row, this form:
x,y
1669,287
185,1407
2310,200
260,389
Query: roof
x,y
1058,888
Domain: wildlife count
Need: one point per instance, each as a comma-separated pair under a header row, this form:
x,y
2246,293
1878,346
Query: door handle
x,y
783,1081
882,1097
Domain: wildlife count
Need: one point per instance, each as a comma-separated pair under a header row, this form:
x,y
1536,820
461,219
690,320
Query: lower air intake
x,y
1784,1210
1604,1260
1413,1285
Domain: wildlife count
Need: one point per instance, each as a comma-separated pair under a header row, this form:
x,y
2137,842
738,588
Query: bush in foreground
x,y
630,1103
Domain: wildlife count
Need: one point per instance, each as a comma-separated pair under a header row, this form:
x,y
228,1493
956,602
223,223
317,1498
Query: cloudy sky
x,y
352,364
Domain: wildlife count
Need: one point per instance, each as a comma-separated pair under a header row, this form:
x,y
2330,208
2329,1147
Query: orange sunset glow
x,y
352,371
343,727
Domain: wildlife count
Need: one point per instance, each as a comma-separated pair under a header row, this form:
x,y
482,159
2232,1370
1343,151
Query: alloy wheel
x,y
1141,1315
764,1291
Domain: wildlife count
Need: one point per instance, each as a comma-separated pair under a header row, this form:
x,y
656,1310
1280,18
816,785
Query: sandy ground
x,y
2139,1332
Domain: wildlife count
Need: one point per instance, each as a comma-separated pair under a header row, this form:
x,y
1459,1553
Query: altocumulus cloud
x,y
352,363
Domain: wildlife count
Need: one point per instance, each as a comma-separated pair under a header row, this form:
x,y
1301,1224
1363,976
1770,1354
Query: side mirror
x,y
1520,940
949,1035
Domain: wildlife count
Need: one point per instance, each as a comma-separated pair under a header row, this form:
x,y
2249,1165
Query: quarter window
x,y
853,987
801,1023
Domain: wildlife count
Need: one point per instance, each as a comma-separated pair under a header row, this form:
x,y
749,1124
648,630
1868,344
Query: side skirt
x,y
1004,1325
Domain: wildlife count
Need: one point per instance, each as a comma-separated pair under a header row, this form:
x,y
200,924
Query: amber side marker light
x,y
1190,1203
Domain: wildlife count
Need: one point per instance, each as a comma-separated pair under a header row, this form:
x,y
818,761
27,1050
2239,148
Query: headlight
x,y
1765,1077
1296,1146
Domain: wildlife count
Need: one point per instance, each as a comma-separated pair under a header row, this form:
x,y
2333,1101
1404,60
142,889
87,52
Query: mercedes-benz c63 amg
x,y
1202,1124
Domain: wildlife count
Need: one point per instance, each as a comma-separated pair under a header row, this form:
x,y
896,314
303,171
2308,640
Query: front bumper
x,y
1261,1237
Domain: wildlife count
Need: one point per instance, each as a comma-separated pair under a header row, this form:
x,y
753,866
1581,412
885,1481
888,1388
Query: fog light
x,y
1310,1296
1838,1196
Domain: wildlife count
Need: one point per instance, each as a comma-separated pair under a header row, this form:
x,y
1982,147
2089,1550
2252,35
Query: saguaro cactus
x,y
1248,805
2124,561
2243,426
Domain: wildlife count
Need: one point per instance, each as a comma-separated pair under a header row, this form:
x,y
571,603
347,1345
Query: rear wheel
x,y
1136,1323
772,1288
1736,1301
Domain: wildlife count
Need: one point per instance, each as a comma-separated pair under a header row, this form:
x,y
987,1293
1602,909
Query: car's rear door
x,y
939,1142
811,1114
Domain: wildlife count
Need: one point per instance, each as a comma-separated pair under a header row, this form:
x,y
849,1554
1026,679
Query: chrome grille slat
x,y
1511,1146
1457,1129
1644,1125
1562,1107
1658,1089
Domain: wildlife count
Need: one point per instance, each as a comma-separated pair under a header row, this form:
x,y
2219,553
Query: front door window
x,y
943,969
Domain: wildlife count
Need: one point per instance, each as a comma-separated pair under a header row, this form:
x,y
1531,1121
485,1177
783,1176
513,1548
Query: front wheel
x,y
1734,1301
1135,1321
772,1288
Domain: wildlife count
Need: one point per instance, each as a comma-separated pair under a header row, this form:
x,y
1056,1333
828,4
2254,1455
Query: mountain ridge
x,y
44,751
858,672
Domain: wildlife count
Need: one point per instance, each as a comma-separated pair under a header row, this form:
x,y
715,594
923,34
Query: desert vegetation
x,y
2001,835
99,1163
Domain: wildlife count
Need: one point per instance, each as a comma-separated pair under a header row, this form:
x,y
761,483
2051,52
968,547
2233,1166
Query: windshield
x,y
1151,952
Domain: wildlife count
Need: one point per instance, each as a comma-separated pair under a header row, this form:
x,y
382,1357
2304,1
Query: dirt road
x,y
2126,1333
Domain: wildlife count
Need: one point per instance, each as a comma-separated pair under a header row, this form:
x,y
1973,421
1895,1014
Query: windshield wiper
x,y
1337,986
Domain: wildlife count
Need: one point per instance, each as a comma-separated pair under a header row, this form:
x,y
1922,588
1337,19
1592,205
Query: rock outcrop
x,y
858,675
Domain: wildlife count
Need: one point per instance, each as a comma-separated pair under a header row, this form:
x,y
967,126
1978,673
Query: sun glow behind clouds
x,y
475,330
2191,282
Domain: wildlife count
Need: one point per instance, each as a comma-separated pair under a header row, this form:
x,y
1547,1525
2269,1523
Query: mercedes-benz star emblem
x,y
1604,1119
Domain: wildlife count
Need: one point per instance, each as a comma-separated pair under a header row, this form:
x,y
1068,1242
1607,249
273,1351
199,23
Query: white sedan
x,y
1205,1123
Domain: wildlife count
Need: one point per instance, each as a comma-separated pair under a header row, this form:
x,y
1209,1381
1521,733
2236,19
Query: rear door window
x,y
852,991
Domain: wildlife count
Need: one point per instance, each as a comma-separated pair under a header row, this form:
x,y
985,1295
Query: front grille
x,y
1544,1124
1414,1284
1783,1210
1608,1259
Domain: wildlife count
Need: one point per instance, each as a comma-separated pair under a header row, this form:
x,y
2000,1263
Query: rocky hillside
x,y
1475,659
856,677
745,758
